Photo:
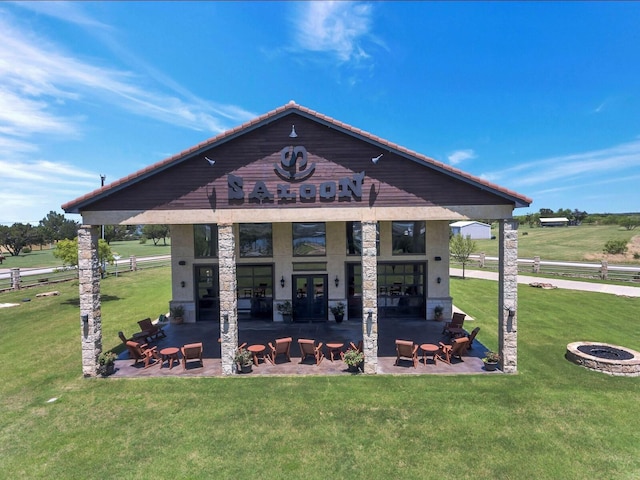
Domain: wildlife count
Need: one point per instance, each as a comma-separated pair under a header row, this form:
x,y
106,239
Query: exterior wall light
x,y
337,280
282,282
85,318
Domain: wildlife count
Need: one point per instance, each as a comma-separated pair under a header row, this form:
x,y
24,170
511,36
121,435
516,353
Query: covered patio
x,y
260,332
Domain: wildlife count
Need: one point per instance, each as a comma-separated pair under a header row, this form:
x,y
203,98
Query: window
x,y
309,239
256,240
205,240
354,238
408,237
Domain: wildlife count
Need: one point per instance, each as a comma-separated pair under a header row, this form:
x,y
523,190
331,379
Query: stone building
x,y
297,206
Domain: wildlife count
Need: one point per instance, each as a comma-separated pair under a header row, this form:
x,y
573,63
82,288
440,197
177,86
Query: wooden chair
x,y
309,348
191,351
142,352
358,346
456,322
151,330
282,347
457,348
408,350
472,337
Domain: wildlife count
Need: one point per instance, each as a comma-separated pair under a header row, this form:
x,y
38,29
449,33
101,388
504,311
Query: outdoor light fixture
x,y
211,162
293,133
282,282
337,281
438,280
437,259
85,318
512,311
182,284
376,159
182,262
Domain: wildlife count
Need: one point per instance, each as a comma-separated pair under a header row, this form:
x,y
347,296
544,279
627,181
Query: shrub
x,y
26,250
615,246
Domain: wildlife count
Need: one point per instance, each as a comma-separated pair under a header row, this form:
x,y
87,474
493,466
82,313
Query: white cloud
x,y
335,27
460,156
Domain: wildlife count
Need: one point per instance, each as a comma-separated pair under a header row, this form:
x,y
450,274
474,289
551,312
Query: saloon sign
x,y
294,167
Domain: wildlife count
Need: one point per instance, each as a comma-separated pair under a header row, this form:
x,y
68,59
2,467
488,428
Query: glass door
x,y
310,298
207,293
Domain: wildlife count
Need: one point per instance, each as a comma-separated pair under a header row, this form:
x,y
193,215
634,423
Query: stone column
x,y
536,264
133,263
90,313
369,297
604,269
508,296
228,297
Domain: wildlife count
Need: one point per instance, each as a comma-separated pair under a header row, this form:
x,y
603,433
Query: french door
x,y
309,298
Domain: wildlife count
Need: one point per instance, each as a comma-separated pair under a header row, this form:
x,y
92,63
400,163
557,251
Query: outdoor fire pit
x,y
602,357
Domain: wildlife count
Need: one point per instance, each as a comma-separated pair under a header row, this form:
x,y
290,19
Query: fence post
x,y
133,263
536,264
482,258
604,270
15,278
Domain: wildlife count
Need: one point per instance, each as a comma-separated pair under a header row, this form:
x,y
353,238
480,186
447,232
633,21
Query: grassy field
x,y
583,243
45,258
553,420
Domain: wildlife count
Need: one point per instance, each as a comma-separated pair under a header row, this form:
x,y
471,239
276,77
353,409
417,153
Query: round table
x,y
335,348
429,349
258,353
171,354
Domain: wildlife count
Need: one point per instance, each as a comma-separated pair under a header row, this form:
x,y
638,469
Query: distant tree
x,y
629,223
461,249
115,233
17,237
156,233
56,227
577,216
546,212
67,251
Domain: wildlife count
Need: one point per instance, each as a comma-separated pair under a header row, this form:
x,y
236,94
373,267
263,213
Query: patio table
x,y
335,348
258,353
429,349
170,354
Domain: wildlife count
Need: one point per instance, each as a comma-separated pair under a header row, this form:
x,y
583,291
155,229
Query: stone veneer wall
x,y
89,279
508,296
228,298
369,297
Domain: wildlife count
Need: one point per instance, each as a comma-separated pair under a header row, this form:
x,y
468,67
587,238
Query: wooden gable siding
x,y
394,181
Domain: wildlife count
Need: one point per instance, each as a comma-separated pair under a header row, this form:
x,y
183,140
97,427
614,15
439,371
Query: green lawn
x,y
553,420
45,258
583,243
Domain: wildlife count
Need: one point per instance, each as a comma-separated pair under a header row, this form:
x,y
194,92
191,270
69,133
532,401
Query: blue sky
x,y
542,98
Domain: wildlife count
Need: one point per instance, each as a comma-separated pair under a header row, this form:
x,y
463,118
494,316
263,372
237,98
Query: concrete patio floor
x,y
261,332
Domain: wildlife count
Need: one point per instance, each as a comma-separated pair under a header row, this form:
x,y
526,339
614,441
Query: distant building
x,y
554,222
475,230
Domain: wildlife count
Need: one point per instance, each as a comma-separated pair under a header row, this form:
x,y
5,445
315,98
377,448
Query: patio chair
x,y
456,322
282,347
142,352
152,331
309,348
457,348
358,346
191,351
472,337
408,350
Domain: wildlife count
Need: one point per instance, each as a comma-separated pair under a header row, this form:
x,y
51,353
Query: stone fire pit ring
x,y
605,358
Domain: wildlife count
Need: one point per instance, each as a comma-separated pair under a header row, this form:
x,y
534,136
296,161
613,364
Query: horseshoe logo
x,y
293,163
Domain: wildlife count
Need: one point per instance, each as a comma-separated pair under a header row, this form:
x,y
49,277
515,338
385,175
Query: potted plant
x,y
286,310
243,359
177,314
491,360
437,312
353,359
338,311
106,363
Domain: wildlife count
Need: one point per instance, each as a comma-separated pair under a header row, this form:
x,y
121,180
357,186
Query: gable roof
x,y
465,223
80,203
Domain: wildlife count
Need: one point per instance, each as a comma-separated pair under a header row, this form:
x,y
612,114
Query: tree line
x,y
55,227
629,221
